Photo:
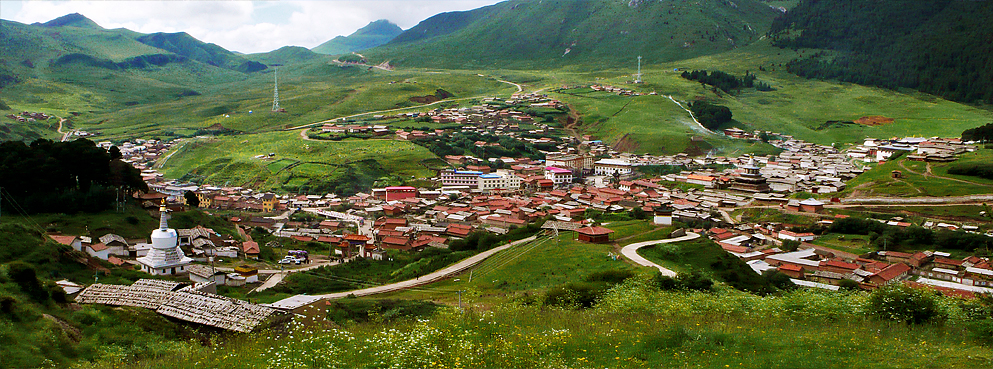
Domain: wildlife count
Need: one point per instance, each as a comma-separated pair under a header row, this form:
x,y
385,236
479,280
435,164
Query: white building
x,y
793,236
607,167
460,178
499,181
165,257
558,175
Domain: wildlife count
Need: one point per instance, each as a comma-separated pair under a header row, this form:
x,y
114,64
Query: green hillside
x,y
940,47
372,35
797,106
596,33
343,167
285,55
183,44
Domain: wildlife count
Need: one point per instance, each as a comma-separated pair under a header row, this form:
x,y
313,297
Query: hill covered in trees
x,y
942,47
64,177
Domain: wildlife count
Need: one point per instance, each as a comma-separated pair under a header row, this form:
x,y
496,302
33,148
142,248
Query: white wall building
x,y
499,181
460,178
607,167
558,175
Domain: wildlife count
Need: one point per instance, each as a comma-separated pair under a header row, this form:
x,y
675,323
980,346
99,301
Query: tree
x,y
790,245
191,199
779,279
115,153
849,285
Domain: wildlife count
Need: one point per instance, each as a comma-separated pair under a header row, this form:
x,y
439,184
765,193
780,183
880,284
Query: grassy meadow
x,y
920,179
634,325
297,164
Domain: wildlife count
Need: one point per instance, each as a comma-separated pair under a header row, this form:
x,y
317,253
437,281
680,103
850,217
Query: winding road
x,y
631,252
430,278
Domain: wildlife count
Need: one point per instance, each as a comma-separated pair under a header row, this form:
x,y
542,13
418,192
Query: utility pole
x,y
460,299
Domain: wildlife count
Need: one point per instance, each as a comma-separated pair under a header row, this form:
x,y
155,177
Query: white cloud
x,y
244,26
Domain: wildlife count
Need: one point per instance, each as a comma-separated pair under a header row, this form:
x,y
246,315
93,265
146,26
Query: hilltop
x,y
372,35
71,20
600,33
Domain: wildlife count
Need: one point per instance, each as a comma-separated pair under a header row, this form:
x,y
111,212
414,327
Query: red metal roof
x,y
594,231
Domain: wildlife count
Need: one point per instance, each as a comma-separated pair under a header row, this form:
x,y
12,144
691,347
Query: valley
x,y
527,184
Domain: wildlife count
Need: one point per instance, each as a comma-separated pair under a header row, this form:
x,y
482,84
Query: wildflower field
x,y
634,325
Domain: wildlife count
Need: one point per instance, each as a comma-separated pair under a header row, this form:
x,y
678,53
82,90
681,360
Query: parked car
x,y
290,260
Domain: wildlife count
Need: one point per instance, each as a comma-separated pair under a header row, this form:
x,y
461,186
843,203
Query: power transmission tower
x,y
637,78
275,90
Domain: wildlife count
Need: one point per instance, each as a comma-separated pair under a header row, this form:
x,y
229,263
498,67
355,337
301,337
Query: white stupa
x,y
165,257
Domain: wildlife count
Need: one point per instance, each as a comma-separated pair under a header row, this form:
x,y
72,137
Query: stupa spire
x,y
163,220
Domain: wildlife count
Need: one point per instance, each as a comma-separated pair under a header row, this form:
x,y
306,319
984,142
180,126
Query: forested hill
x,y
599,33
942,47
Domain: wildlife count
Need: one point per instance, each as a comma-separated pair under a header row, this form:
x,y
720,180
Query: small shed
x,y
594,234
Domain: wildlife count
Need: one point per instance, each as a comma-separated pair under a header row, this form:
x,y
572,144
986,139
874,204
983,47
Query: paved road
x,y
631,252
433,277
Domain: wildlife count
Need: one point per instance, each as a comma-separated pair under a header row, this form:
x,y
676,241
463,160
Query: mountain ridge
x,y
373,34
72,20
552,33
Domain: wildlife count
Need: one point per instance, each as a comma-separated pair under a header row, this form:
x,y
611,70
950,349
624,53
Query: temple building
x,y
751,180
165,257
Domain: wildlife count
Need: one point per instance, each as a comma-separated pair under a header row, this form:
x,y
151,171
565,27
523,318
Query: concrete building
x,y
558,176
499,181
607,167
468,178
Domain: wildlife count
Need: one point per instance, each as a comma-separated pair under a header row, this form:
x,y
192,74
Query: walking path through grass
x,y
631,252
699,126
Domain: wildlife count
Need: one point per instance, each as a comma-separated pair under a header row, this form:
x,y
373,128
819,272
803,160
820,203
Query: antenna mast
x,y
275,90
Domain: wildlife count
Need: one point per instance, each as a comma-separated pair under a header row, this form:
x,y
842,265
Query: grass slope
x,y
600,33
230,160
798,106
921,179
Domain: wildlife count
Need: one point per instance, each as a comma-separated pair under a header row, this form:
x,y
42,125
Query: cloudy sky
x,y
244,26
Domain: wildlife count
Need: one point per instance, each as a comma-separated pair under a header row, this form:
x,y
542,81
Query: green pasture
x,y
232,160
549,262
916,181
853,243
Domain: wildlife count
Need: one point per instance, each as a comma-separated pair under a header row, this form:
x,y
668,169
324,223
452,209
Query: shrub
x,y
779,280
693,281
610,276
25,276
982,331
575,294
849,285
905,304
7,304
